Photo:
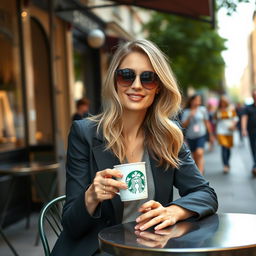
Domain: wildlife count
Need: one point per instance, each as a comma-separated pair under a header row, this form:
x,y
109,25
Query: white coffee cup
x,y
134,175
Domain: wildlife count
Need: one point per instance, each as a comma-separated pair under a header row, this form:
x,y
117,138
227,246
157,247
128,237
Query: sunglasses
x,y
125,77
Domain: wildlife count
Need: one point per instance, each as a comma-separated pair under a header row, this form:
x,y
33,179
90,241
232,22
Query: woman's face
x,y
196,101
135,97
223,103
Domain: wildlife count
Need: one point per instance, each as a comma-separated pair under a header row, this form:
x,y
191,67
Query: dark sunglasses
x,y
125,77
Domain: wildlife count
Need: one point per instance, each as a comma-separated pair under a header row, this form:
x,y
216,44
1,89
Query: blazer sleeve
x,y
196,194
76,219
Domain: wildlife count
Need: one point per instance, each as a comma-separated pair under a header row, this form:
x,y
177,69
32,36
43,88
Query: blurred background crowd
x,y
217,122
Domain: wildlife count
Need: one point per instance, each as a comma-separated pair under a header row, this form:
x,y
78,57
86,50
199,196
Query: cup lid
x,y
129,164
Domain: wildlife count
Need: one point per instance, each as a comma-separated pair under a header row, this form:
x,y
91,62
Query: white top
x,y
225,121
196,127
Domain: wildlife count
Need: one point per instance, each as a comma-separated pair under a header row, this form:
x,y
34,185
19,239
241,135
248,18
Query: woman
x,y
226,120
139,95
195,120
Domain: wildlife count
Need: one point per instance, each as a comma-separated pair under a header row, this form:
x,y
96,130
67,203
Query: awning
x,y
196,9
202,10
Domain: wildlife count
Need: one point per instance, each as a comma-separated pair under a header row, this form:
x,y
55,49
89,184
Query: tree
x,y
230,5
193,48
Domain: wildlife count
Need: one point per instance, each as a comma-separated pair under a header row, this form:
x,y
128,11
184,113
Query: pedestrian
x,y
211,112
82,107
195,120
239,112
249,128
139,95
226,120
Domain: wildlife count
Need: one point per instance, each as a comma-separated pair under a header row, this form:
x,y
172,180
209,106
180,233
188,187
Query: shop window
x,y
12,133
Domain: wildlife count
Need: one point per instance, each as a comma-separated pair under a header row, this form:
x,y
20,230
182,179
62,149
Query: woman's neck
x,y
132,122
133,136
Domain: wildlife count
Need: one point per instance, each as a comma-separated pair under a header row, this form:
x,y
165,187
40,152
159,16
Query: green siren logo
x,y
135,181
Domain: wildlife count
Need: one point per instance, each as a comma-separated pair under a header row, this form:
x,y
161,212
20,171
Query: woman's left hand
x,y
153,213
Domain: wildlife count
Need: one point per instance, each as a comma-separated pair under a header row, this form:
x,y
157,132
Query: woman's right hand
x,y
103,187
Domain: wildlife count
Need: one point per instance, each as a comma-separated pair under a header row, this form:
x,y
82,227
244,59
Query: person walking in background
x,y
195,120
249,128
140,97
226,120
239,112
211,113
82,107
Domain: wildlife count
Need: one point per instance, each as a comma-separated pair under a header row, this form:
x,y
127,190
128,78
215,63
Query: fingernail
x,y
142,228
138,219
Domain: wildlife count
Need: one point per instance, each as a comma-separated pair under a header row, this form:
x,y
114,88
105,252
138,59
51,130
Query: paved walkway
x,y
236,192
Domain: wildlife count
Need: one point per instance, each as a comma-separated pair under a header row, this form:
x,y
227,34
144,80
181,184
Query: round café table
x,y
31,168
227,234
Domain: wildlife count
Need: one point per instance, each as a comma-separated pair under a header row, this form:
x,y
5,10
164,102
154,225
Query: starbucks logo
x,y
135,181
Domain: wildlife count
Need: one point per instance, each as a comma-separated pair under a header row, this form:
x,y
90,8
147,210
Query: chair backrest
x,y
50,225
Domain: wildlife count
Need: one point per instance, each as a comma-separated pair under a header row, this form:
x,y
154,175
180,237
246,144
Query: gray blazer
x,y
86,155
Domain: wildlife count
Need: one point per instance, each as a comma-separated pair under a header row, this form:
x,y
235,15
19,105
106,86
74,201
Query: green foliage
x,y
230,5
193,47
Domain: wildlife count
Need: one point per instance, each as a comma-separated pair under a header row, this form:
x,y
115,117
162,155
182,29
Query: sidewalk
x,y
236,190
22,239
236,193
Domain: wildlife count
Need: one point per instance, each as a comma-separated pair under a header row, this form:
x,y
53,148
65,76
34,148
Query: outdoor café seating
x,y
21,181
50,222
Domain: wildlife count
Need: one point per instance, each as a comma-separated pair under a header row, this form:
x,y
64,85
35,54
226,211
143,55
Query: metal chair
x,y
50,221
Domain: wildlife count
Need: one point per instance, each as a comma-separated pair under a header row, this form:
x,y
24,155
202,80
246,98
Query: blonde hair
x,y
163,138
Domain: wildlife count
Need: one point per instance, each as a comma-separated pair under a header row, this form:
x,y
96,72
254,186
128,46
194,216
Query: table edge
x,y
185,250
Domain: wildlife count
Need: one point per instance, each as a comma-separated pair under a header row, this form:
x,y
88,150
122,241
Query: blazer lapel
x,y
163,182
106,159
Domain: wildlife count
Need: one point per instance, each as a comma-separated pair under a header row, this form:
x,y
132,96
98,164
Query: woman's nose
x,y
136,83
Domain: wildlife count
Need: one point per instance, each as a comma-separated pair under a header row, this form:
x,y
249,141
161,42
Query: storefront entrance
x,y
42,85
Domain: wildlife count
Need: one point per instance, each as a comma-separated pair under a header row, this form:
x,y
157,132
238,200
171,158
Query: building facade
x,y
252,53
248,79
